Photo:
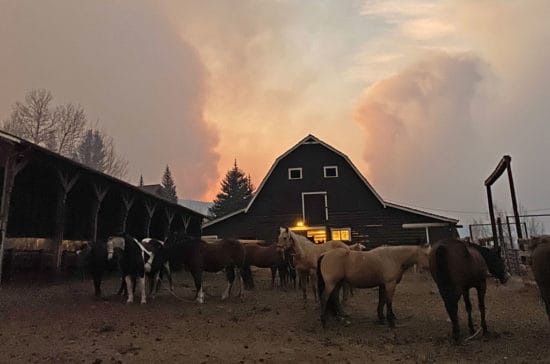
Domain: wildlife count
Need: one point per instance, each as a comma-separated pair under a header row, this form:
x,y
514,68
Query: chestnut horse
x,y
198,256
540,256
306,255
382,267
457,266
261,257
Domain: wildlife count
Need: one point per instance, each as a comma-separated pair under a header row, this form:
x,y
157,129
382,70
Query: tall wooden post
x,y
150,208
186,221
514,200
14,162
492,215
100,191
66,183
127,202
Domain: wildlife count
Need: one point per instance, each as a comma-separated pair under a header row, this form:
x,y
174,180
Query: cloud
x,y
128,67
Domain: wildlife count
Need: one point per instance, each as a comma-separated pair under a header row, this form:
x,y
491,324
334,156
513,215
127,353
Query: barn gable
x,y
317,189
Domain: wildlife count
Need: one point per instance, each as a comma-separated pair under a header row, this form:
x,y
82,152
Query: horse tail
x,y
442,267
320,279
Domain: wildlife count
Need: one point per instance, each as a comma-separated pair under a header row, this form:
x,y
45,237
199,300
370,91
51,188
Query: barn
x,y
50,204
317,191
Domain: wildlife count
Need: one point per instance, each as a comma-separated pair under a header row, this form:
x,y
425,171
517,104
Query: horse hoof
x,y
129,301
143,302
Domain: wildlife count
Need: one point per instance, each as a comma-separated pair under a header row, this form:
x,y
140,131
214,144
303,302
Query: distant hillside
x,y
198,206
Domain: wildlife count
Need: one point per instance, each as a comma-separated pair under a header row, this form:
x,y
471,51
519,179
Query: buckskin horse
x,y
199,256
306,255
457,266
540,256
382,267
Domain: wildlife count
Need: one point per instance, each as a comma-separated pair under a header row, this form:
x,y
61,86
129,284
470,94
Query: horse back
x,y
261,256
541,267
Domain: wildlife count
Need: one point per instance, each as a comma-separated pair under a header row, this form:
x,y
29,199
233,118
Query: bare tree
x,y
70,122
32,120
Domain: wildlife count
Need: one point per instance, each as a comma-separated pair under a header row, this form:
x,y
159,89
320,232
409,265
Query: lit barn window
x,y
330,171
295,173
343,234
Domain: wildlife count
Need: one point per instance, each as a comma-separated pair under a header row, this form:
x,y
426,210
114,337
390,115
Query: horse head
x,y
285,240
495,263
423,256
114,242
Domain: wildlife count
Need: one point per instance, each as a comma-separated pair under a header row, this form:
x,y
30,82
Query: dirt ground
x,y
62,322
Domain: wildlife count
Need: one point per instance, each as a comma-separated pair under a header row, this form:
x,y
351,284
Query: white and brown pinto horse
x,y
131,257
382,267
306,255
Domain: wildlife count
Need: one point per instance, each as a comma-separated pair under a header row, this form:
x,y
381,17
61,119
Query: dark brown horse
x,y
457,266
261,257
199,256
540,255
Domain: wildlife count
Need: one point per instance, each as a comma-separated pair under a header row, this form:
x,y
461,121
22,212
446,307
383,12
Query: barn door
x,y
314,206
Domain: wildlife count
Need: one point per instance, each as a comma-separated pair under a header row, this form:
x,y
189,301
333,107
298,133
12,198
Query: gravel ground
x,y
63,322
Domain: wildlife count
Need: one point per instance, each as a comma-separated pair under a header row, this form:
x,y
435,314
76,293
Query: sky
x,y
425,97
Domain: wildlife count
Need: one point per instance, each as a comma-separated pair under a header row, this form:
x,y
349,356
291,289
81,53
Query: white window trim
x,y
304,204
295,169
325,171
340,229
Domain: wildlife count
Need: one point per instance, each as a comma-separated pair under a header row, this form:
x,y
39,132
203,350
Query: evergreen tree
x,y
140,180
169,186
236,192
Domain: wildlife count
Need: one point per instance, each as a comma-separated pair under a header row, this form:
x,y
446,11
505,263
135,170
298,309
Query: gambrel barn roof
x,y
311,139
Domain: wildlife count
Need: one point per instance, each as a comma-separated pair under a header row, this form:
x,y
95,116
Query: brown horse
x,y
540,256
382,267
457,266
261,257
199,256
306,255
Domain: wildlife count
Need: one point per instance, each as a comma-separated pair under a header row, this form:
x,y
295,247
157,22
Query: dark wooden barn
x,y
49,201
317,191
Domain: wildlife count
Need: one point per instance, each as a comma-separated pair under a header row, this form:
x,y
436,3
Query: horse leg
x,y
303,283
142,287
381,303
273,275
450,298
129,289
241,284
97,283
230,276
481,300
468,304
197,277
390,290
169,275
313,281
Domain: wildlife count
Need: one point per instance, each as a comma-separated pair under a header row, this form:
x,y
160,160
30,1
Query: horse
x,y
347,290
130,255
261,257
92,257
540,256
382,267
198,256
157,264
456,267
306,255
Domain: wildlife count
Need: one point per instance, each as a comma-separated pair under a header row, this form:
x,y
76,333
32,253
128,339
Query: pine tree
x,y
140,180
169,186
236,192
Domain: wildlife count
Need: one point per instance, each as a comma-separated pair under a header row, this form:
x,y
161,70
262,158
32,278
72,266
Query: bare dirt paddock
x,y
64,323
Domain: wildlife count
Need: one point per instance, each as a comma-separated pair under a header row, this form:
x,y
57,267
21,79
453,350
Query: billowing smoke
x,y
418,123
128,67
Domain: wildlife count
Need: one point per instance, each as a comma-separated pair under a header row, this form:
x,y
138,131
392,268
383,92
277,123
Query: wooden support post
x,y
514,200
100,191
13,164
492,215
66,183
186,221
127,201
169,218
150,208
